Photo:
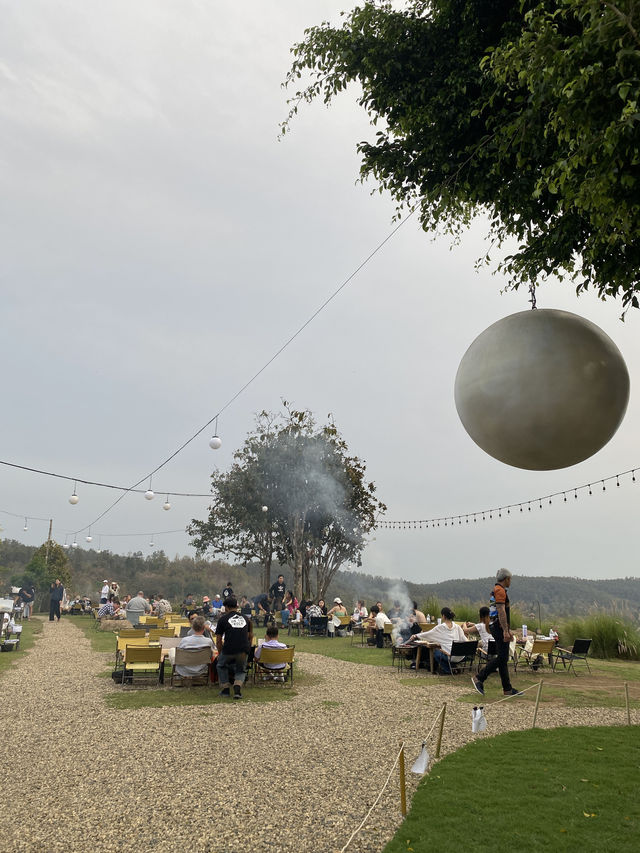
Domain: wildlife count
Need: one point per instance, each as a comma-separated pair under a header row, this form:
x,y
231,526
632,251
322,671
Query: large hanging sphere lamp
x,y
542,389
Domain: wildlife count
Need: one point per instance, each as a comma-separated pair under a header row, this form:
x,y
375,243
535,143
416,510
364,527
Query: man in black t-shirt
x,y
277,591
263,608
234,633
227,591
26,596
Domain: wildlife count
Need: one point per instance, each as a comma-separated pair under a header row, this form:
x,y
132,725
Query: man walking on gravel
x,y
56,593
499,626
234,633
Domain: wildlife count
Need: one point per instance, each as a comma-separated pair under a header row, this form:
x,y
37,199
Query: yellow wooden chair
x,y
263,674
156,633
535,654
123,642
191,657
144,660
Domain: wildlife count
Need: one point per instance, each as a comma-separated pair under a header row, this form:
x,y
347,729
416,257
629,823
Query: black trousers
x,y
500,662
54,610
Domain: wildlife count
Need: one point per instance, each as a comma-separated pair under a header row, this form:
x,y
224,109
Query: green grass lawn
x,y
603,688
534,791
149,697
30,631
339,648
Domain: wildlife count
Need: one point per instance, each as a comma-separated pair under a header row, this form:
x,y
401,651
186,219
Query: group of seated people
x,y
231,644
448,632
132,608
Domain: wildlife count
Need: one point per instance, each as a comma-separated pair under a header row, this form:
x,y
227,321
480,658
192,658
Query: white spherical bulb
x,y
215,443
65,545
542,389
166,505
74,544
89,538
149,495
73,500
265,509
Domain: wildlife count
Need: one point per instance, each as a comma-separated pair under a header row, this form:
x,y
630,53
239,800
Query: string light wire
x,y
100,485
285,345
488,514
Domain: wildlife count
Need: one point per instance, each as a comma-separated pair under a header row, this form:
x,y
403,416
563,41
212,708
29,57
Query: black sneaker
x,y
512,692
477,686
237,692
225,692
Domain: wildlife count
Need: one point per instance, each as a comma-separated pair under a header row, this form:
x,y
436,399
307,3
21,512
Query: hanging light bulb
x,y
265,509
74,544
166,505
149,495
151,544
215,442
73,500
26,526
100,545
89,537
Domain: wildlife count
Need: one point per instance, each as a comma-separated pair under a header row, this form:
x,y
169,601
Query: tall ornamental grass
x,y
611,635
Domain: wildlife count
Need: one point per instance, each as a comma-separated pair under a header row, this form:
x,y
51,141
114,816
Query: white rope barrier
x,y
395,764
377,800
515,695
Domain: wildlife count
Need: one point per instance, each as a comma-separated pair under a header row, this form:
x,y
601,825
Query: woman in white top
x,y
444,635
480,628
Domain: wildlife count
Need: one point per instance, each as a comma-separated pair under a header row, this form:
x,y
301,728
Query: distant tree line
x,y
84,569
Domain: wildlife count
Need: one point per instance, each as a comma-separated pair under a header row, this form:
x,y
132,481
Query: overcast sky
x,y
159,244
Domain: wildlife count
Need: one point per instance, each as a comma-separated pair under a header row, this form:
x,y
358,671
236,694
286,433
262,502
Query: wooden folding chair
x,y
263,674
143,660
123,642
156,633
192,657
535,654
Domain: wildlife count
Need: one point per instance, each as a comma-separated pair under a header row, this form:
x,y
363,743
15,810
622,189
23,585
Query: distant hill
x,y
155,572
557,596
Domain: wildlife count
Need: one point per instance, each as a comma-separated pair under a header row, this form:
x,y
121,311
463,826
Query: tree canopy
x,y
47,563
525,110
295,493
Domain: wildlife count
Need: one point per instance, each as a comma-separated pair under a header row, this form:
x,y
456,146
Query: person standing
x,y
500,629
227,591
234,633
104,592
56,594
26,596
277,591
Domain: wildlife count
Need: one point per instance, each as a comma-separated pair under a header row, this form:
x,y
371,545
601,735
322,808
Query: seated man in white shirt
x,y
271,642
444,635
197,640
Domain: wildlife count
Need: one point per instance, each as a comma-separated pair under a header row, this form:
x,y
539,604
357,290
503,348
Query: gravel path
x,y
286,776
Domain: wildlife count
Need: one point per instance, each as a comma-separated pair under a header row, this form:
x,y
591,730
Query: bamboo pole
x,y
442,715
535,710
403,790
626,694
